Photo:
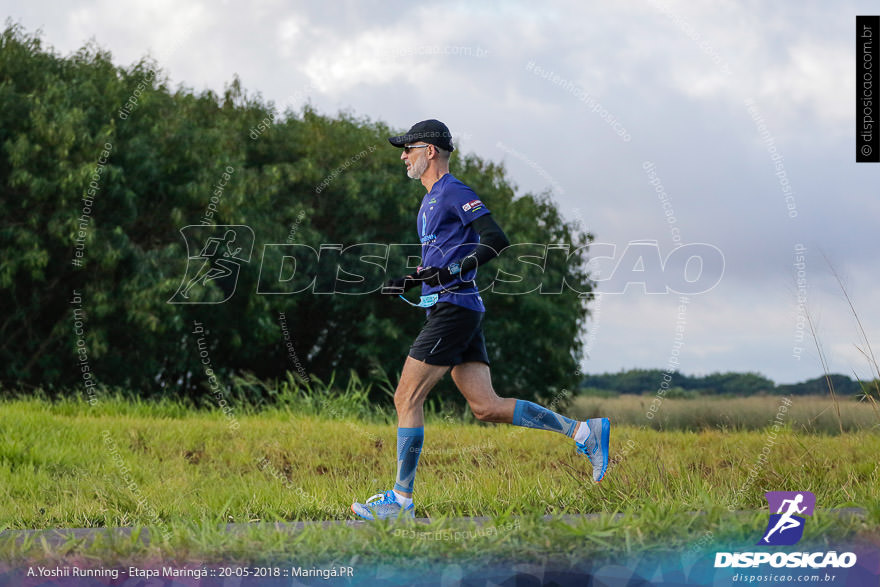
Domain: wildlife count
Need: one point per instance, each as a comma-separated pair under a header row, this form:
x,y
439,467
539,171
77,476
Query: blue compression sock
x,y
529,415
409,447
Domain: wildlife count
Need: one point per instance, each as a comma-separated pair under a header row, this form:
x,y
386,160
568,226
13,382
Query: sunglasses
x,y
409,148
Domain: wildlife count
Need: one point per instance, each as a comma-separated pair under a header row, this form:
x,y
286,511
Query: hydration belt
x,y
431,299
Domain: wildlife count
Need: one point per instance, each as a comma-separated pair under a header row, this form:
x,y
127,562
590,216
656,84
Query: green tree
x,y
153,158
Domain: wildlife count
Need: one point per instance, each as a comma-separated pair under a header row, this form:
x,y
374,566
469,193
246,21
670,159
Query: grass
x,y
653,529
808,414
185,473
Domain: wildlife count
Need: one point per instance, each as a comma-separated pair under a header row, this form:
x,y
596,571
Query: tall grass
x,y
312,396
245,395
94,469
810,414
869,389
185,473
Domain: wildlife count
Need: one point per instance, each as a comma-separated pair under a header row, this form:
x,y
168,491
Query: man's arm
x,y
492,242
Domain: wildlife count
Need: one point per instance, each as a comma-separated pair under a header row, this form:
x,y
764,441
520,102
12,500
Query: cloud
x,y
135,29
675,74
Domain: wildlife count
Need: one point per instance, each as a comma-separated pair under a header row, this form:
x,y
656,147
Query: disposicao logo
x,y
215,253
786,528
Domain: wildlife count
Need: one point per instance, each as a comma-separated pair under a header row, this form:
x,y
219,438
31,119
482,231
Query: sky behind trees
x,y
656,124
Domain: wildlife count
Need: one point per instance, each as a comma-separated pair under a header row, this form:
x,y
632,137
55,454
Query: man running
x,y
458,234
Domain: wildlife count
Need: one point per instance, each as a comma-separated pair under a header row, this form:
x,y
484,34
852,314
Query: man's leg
x,y
416,380
474,380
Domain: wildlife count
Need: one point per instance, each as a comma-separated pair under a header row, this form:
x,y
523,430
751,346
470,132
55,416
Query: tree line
x,y
103,168
647,381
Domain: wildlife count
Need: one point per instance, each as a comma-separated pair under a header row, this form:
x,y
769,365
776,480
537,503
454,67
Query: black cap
x,y
428,131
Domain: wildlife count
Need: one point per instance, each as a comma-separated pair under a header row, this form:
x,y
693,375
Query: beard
x,y
416,170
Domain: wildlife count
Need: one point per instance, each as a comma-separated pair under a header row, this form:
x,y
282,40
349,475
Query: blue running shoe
x,y
383,506
595,447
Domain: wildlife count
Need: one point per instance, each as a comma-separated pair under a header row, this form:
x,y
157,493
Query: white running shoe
x,y
383,506
595,447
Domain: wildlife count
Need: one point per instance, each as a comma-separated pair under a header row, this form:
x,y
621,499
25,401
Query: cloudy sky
x,y
726,128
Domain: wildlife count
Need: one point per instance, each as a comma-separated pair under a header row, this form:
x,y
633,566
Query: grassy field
x,y
804,414
184,473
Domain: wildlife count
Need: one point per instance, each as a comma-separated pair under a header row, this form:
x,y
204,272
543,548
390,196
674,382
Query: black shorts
x,y
451,335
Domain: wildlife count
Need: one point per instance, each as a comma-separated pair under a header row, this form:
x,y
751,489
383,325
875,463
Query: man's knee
x,y
401,398
487,412
405,399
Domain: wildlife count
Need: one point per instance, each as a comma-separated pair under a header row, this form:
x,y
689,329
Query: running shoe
x,y
382,506
595,447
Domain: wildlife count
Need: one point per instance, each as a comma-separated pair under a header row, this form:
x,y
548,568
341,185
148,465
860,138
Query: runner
x,y
458,234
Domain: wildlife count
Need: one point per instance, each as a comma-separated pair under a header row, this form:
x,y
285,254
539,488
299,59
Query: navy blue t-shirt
x,y
444,227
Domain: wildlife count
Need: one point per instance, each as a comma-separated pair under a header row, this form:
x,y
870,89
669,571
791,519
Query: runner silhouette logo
x,y
786,525
214,258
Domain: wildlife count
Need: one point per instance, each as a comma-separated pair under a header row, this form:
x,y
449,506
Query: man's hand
x,y
401,284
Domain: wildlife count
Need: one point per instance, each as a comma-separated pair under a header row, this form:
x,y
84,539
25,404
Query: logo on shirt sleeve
x,y
472,206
